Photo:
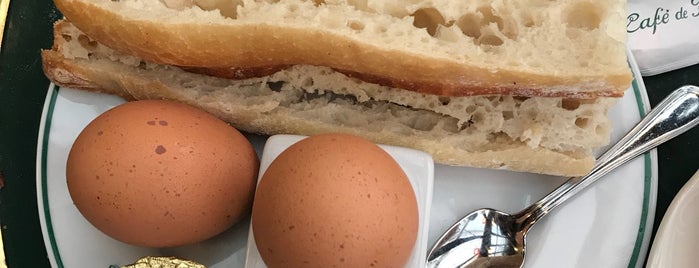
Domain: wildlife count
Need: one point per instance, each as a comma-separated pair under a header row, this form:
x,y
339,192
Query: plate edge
x,y
646,221
50,245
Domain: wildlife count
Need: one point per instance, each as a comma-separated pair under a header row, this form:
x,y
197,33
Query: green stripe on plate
x,y
44,189
646,185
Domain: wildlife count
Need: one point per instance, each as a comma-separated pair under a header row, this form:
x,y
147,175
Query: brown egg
x,y
334,200
160,174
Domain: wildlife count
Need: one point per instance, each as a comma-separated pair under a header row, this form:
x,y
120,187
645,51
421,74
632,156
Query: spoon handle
x,y
677,113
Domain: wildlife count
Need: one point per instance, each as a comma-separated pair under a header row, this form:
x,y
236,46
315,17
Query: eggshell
x,y
160,174
334,200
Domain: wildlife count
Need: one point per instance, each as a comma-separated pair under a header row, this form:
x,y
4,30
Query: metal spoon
x,y
491,238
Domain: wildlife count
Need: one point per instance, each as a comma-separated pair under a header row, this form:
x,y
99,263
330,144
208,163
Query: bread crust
x,y
59,72
255,46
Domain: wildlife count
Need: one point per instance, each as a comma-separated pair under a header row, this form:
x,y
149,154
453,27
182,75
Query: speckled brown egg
x,y
334,200
159,174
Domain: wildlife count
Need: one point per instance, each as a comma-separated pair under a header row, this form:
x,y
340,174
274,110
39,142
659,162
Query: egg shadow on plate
x,y
257,141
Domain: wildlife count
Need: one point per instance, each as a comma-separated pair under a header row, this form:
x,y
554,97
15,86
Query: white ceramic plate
x,y
608,225
676,242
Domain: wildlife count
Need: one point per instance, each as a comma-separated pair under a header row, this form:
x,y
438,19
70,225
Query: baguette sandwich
x,y
522,85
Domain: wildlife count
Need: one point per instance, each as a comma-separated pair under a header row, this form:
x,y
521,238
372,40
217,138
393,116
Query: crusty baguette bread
x,y
563,48
538,134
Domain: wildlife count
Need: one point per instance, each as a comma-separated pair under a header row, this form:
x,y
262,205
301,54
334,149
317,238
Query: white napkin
x,y
663,35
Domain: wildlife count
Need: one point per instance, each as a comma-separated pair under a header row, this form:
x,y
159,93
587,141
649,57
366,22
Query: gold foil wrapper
x,y
163,262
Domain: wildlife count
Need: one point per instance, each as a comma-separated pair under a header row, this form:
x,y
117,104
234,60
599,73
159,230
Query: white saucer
x,y
677,239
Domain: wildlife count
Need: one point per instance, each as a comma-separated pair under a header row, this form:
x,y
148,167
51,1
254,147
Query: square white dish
x,y
417,165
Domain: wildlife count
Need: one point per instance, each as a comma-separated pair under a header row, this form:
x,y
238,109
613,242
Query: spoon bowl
x,y
491,238
483,238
